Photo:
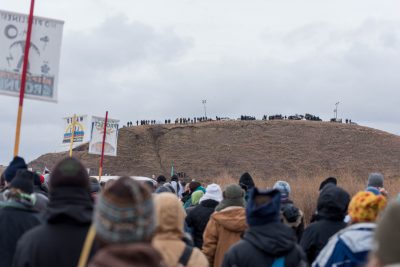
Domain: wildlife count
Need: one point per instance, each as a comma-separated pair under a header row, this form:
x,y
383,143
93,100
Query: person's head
x,y
15,165
213,192
366,206
263,207
21,188
284,188
124,213
150,186
329,180
333,202
161,180
386,250
246,181
375,180
170,214
193,186
174,178
233,195
69,172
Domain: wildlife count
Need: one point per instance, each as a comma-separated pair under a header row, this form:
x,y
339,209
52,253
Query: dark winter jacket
x,y
198,218
332,208
59,241
262,245
15,220
267,239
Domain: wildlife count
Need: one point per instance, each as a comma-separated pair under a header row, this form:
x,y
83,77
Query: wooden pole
x,y
23,79
71,143
102,146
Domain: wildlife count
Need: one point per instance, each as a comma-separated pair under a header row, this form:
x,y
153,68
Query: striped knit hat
x,y
124,213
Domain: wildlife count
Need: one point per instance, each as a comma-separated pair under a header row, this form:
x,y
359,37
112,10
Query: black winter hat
x,y
23,181
329,180
16,164
69,172
247,181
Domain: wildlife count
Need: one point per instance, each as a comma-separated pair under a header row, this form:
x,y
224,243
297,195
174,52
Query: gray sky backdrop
x,y
158,59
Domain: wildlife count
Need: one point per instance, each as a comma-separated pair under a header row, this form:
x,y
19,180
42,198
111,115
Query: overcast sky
x,y
158,59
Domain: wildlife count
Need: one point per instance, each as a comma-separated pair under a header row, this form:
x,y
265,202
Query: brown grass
x,y
305,189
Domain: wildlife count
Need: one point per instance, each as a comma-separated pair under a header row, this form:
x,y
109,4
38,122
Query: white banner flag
x,y
44,55
96,136
81,131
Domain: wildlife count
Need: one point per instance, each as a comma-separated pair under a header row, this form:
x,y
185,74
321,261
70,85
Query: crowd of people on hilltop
x,y
189,120
69,219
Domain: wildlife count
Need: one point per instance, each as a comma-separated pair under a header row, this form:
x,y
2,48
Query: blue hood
x,y
265,213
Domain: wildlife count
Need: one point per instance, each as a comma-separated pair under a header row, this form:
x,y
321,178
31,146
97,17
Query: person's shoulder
x,y
198,258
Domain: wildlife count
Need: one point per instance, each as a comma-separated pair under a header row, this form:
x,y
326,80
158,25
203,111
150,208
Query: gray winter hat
x,y
233,195
375,179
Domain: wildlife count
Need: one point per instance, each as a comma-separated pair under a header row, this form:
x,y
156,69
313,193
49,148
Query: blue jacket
x,y
349,247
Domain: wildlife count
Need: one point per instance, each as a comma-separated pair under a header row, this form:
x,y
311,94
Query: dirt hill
x,y
267,149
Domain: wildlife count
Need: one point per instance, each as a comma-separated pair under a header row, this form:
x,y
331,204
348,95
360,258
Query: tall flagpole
x,y
23,79
71,143
102,146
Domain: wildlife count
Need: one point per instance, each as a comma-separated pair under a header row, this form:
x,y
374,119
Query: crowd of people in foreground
x,y
67,219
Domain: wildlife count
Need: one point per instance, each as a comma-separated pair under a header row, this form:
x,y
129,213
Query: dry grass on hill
x,y
305,189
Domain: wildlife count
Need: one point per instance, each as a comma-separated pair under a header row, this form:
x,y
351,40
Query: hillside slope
x,y
267,149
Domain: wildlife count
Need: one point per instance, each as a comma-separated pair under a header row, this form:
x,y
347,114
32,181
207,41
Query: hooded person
x,y
291,215
169,234
193,187
247,183
351,246
124,222
386,249
17,214
331,208
226,225
198,216
10,172
267,242
58,242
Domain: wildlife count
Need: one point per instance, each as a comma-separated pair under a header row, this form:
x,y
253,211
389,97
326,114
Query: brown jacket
x,y
224,229
169,232
127,255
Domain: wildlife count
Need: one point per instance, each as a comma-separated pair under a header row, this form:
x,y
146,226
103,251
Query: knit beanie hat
x,y
69,172
232,196
23,181
366,206
16,164
263,207
196,196
387,235
329,180
283,187
375,180
214,192
125,213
